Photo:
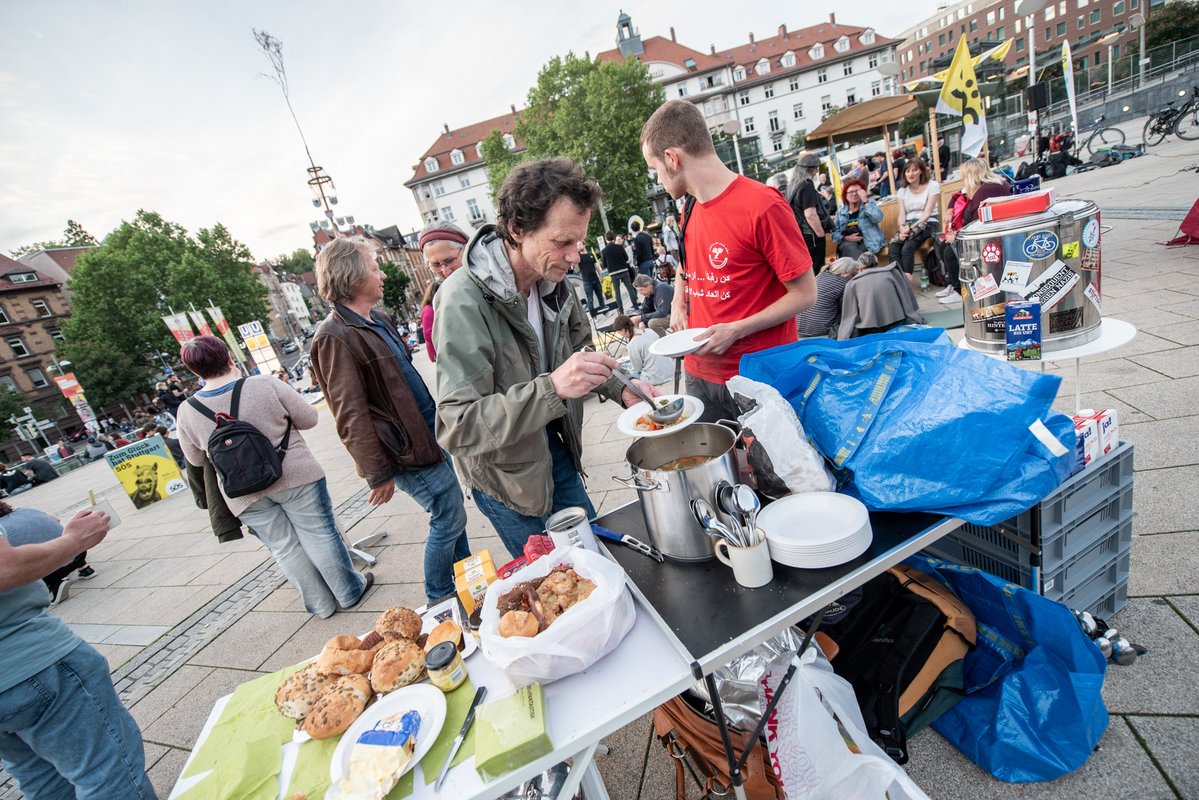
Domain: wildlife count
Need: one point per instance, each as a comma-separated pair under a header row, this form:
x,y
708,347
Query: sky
x,y
110,107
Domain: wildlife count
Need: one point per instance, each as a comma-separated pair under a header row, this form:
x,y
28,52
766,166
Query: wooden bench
x,y
890,226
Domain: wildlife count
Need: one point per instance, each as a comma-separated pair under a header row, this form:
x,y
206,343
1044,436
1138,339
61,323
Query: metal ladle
x,y
663,412
706,515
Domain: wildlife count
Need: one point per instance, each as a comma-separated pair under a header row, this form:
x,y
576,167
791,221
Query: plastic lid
x,y
440,656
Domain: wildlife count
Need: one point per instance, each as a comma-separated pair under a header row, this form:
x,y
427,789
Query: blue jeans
x,y
515,528
594,292
646,267
65,734
437,491
299,528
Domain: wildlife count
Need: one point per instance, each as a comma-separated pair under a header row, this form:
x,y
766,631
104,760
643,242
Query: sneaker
x,y
945,292
87,573
951,300
64,591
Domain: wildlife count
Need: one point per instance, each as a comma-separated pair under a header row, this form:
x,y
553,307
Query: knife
x,y
466,723
629,541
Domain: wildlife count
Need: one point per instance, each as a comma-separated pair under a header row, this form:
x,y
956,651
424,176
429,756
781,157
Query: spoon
x,y
711,523
748,504
723,494
661,411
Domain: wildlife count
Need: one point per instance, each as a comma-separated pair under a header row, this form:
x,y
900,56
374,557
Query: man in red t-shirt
x,y
746,271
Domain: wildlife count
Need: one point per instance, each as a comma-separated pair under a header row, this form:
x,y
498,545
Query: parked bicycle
x,y
1103,137
1186,124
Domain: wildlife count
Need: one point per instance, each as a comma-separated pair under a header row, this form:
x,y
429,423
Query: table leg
x,y
1078,384
583,762
722,724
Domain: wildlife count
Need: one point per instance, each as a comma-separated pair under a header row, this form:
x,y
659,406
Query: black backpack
x,y
902,648
244,459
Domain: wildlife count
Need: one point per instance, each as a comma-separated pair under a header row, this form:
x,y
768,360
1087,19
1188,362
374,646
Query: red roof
x,y
7,266
658,48
65,257
463,139
799,42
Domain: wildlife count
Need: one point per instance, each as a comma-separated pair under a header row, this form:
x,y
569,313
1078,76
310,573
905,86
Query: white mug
x,y
751,565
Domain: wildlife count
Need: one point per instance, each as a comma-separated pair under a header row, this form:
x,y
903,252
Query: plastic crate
x,y
1105,592
1067,577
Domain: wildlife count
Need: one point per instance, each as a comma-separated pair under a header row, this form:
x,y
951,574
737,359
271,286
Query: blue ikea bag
x,y
913,423
1033,709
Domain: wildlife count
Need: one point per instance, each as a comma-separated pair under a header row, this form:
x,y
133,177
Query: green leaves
x,y
73,236
395,288
145,268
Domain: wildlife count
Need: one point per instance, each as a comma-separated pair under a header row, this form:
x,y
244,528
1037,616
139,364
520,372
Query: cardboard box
x,y
1022,331
511,732
1109,430
1087,431
472,576
1020,205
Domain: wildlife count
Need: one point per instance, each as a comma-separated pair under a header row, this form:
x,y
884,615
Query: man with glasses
x,y
441,244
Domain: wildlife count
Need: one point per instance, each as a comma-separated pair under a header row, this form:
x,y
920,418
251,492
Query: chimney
x,y
672,34
446,125
513,107
783,31
832,18
751,37
713,48
586,55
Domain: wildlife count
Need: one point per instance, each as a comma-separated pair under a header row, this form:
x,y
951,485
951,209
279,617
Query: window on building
x,y
472,209
682,90
1048,33
41,308
973,25
3,317
37,378
22,277
847,68
456,157
1001,14
1061,8
425,192
941,40
743,98
873,60
788,59
876,88
851,97
463,181
1083,3
479,149
55,334
6,382
1019,26
842,44
797,110
1050,12
431,217
17,346
793,85
739,74
990,17
1083,63
950,37
438,189
1118,9
1095,15
923,67
1000,34
773,120
1082,23
817,52
762,67
777,145
1134,4
509,141
1098,57
708,108
447,213
868,36
826,102
749,125
1061,29
430,164
769,91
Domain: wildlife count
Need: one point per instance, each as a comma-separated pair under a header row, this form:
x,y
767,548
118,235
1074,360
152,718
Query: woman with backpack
x,y
293,514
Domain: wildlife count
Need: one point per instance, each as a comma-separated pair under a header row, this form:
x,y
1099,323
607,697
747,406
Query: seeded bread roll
x,y
338,707
300,690
398,663
403,621
342,655
518,623
447,631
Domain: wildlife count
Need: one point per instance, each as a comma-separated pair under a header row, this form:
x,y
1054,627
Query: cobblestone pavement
x,y
183,619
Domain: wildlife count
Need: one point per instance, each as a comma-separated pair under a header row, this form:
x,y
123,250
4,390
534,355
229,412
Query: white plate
x,y
824,560
693,407
813,519
448,609
682,343
427,700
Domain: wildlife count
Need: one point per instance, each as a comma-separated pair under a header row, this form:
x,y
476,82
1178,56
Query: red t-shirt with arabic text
x,y
741,246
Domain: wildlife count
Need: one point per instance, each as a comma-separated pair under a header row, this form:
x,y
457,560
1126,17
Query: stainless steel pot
x,y
666,495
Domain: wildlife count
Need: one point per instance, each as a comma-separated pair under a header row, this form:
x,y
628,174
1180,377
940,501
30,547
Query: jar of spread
x,y
445,666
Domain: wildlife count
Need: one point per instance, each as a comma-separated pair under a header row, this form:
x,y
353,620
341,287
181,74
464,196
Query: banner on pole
x,y
201,323
218,317
1068,73
960,97
180,327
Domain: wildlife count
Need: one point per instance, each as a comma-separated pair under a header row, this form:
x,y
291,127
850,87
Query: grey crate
x,y
1067,577
1105,592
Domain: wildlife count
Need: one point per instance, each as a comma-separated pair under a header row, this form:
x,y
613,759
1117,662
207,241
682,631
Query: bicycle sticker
x,y
1041,244
1090,233
1070,250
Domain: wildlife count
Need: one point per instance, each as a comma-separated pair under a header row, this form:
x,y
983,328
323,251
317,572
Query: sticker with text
x,y
1090,259
1090,233
984,287
1041,244
987,312
1051,285
1093,295
1015,276
992,253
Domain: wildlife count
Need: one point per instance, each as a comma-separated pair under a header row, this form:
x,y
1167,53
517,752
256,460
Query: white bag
x,y
810,734
792,459
584,634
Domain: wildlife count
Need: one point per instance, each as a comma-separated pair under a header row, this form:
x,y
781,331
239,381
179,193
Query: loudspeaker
x,y
1036,96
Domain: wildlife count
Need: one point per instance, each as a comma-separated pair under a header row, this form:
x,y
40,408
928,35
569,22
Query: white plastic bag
x,y
791,464
584,634
810,733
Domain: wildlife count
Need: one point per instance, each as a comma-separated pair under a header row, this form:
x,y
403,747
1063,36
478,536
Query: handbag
x,y
693,740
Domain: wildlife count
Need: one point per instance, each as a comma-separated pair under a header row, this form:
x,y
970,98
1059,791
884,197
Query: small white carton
x,y
1086,428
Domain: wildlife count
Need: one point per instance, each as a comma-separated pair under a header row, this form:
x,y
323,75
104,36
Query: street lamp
x,y
58,365
1137,23
1026,9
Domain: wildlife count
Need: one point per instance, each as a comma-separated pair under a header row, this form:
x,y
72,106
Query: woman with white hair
x,y
809,208
823,318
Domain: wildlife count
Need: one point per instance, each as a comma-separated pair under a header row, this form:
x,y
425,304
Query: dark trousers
x,y
816,251
904,253
949,260
718,403
59,575
594,292
619,278
850,249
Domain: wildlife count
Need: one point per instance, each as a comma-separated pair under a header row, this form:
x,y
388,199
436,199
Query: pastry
x,y
398,663
447,631
300,690
343,655
403,621
338,707
518,623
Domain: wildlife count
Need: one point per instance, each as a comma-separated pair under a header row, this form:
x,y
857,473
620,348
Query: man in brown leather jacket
x,y
383,409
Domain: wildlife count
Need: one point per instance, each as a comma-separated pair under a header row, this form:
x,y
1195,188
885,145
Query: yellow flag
x,y
960,97
1068,73
834,175
994,54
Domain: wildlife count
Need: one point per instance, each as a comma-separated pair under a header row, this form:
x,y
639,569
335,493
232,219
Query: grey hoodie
x,y
495,397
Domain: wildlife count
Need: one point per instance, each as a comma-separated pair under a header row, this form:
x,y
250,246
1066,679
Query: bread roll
x,y
338,707
447,631
300,690
403,621
342,655
398,663
518,623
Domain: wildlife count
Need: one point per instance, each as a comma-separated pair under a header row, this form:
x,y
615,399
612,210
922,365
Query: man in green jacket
x,y
514,358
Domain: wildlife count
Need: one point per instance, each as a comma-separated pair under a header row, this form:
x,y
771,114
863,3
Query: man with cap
x,y
441,244
746,271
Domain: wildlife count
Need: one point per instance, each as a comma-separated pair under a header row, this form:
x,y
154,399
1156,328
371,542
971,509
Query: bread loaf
x,y
337,708
404,621
398,663
300,690
342,655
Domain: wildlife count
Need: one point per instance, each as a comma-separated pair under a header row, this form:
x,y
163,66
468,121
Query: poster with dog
x,y
146,471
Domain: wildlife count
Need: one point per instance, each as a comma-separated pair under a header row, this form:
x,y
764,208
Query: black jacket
x,y
42,472
615,258
206,491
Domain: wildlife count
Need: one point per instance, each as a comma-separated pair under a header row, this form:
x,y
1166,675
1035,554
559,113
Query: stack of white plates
x,y
816,530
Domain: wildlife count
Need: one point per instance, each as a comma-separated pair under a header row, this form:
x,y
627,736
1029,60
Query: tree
x,y
831,111
12,404
500,161
1172,22
799,139
395,288
592,112
145,268
297,263
73,236
913,124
